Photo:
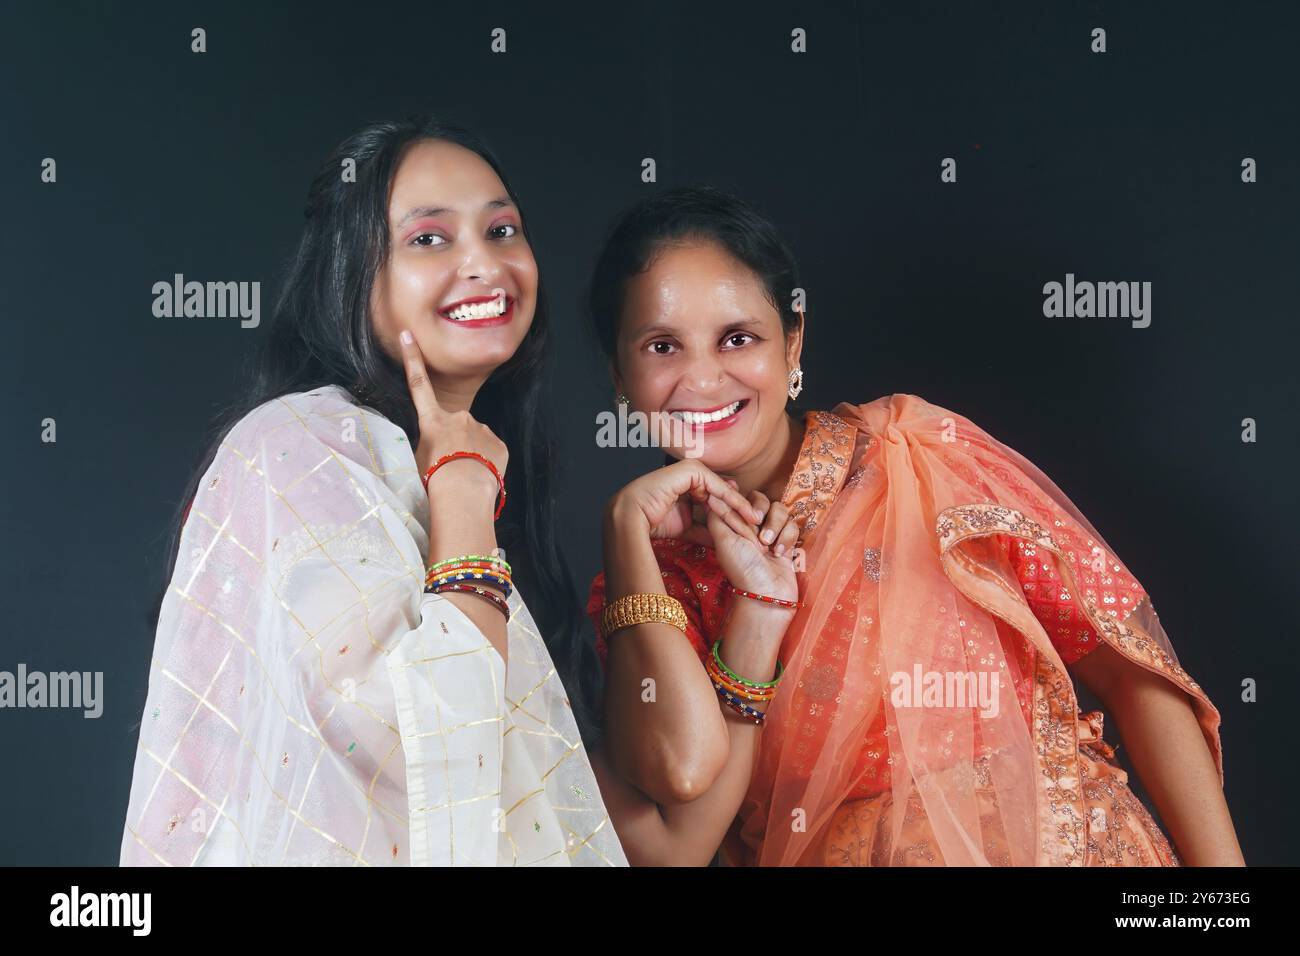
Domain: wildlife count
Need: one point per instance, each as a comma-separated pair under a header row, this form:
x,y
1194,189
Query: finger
x,y
786,540
417,380
699,513
736,522
684,482
760,502
718,527
720,489
698,492
777,516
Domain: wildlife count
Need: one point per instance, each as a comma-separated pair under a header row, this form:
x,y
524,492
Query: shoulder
x,y
326,418
899,407
326,403
903,414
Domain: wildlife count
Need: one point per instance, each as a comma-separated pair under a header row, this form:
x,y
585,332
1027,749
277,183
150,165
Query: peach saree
x,y
938,561
931,546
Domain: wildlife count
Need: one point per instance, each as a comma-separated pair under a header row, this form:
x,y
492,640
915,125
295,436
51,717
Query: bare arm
x,y
1168,750
673,747
461,492
460,522
688,833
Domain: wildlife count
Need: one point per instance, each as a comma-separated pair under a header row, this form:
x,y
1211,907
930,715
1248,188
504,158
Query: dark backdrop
x,y
1119,166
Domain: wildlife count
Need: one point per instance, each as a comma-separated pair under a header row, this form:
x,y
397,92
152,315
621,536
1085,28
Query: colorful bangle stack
x,y
472,575
735,690
740,707
485,575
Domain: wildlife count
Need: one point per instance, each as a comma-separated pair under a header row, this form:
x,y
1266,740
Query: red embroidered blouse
x,y
691,574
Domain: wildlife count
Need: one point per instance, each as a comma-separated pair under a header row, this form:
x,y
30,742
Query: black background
x,y
1123,166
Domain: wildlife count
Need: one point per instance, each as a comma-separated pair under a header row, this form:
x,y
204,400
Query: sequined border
x,y
1055,704
821,468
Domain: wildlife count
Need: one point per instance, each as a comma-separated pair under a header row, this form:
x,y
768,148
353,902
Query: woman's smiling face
x,y
699,340
460,273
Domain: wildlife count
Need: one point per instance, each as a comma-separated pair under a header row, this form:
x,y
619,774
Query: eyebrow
x,y
420,212
748,322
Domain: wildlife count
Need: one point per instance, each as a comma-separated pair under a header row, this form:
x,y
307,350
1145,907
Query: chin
x,y
726,451
483,361
720,463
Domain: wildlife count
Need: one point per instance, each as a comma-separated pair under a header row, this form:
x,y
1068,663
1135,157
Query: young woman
x,y
316,695
898,689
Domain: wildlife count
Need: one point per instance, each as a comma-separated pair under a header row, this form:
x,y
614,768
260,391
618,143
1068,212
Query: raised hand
x,y
664,498
757,557
464,481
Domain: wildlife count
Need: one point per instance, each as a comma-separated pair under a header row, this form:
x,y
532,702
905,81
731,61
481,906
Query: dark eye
x,y
661,348
505,225
744,336
427,235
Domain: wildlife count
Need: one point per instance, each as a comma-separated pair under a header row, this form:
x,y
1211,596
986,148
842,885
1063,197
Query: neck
x,y
457,394
769,472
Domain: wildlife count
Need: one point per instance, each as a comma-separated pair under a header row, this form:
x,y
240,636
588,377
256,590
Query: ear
x,y
794,343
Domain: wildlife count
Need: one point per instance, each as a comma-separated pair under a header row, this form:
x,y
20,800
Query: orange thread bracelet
x,y
501,484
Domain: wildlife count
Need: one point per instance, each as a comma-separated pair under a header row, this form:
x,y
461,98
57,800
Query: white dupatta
x,y
308,704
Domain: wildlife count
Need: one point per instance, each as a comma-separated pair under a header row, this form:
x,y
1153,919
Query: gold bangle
x,y
643,609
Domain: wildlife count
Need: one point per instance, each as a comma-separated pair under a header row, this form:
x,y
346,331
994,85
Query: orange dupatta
x,y
903,504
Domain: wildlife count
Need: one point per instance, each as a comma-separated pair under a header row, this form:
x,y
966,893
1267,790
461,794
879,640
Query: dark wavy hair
x,y
681,216
320,333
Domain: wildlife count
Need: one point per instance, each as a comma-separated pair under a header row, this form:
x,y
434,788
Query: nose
x,y
480,262
705,372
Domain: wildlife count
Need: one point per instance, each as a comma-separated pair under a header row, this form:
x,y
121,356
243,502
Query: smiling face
x,y
460,273
699,340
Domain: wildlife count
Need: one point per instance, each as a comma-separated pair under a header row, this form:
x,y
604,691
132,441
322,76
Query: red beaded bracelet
x,y
764,598
501,484
496,599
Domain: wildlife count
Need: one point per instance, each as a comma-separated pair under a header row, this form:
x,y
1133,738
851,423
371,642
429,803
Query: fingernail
x,y
761,516
407,337
768,536
780,550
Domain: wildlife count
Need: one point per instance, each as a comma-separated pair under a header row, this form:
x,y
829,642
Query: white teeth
x,y
703,418
479,310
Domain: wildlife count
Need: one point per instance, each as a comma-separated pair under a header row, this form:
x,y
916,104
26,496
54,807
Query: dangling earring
x,y
622,399
796,373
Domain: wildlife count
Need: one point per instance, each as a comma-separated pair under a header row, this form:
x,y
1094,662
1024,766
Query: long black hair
x,y
321,333
683,215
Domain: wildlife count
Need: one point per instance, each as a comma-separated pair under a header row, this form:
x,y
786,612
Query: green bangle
x,y
492,558
717,659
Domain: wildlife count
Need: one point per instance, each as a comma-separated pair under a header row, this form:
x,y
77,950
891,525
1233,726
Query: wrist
x,y
623,517
751,666
463,480
453,542
765,623
778,590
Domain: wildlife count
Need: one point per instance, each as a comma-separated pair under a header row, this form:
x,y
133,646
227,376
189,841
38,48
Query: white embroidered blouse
x,y
308,704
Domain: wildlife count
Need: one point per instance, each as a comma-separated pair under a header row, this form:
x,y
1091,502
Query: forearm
x,y
456,529
1164,741
688,833
666,737
681,834
750,642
